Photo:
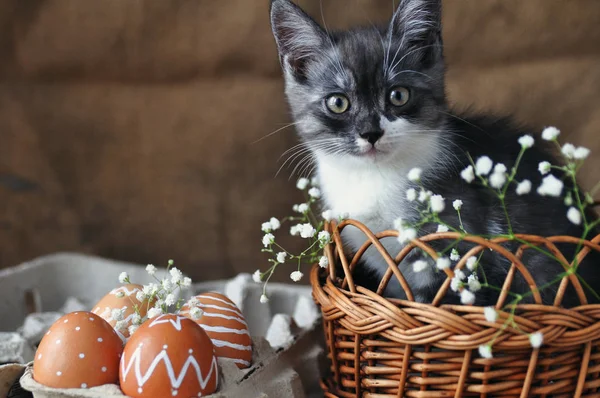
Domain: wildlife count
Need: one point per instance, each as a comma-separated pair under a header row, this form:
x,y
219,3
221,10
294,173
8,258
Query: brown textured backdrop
x,y
126,125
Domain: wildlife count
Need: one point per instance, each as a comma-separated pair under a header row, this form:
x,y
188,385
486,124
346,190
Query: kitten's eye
x,y
399,96
337,103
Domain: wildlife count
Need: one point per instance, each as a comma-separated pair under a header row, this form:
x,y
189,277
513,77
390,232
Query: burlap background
x,y
126,125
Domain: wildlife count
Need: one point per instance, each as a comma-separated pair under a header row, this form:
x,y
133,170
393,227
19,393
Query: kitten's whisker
x,y
275,132
412,51
465,121
410,71
308,157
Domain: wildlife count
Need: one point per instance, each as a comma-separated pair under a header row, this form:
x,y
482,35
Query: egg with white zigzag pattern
x,y
225,325
169,356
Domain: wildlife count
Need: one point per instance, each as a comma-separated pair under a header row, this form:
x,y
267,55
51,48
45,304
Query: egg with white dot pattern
x,y
80,350
225,325
169,356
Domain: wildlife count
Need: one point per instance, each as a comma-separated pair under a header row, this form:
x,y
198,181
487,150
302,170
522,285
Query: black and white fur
x,y
368,181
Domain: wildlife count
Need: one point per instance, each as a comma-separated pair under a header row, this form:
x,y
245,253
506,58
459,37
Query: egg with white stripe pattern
x,y
225,325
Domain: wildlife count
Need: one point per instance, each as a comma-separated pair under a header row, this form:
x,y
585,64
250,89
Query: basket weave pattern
x,y
382,347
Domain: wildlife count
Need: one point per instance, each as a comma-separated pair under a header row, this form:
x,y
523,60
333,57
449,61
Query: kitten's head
x,y
368,94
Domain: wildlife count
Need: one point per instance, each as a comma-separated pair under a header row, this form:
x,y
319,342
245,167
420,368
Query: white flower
x,y
281,257
176,275
524,187
323,262
264,299
457,204
295,208
170,299
424,195
437,203
472,263
295,230
132,329
159,304
296,276
483,166
497,180
117,314
314,193
442,228
459,275
268,239
485,351
196,313
419,265
307,231
500,168
150,269
455,284
328,215
411,195
324,237
544,168
140,296
581,153
302,183
314,181
154,312
468,174
187,282
454,255
406,235
193,302
121,326
550,133
398,224
551,186
275,224
490,314
568,150
123,277
414,174
266,227
474,284
136,319
256,276
120,295
303,208
467,297
536,339
526,141
167,285
442,263
574,216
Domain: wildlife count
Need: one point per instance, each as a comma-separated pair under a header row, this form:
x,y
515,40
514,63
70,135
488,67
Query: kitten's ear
x,y
299,38
418,24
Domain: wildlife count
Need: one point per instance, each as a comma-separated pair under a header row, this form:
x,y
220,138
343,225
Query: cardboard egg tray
x,y
287,336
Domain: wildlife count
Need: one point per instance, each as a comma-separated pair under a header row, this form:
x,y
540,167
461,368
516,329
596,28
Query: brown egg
x,y
80,350
225,325
128,302
169,356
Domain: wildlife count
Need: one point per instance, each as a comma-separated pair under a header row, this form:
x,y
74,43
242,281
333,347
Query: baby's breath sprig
x,y
499,179
304,224
159,297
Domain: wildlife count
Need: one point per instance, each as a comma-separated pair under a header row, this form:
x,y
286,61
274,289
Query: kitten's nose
x,y
372,136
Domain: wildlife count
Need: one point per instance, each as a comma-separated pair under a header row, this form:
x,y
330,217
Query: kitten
x,y
370,104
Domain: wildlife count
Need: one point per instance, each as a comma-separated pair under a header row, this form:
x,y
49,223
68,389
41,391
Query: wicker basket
x,y
382,347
